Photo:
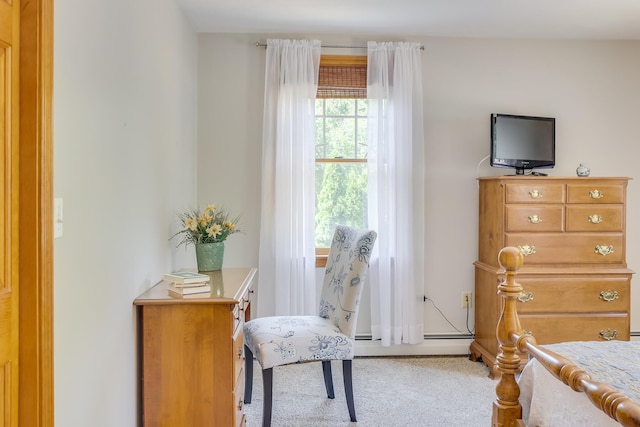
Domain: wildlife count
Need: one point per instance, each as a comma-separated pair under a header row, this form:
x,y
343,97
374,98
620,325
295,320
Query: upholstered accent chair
x,y
283,340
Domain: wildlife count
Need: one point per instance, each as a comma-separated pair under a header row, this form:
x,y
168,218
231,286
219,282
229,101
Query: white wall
x,y
592,88
125,163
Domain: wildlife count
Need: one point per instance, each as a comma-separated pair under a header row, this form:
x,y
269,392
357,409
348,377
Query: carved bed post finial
x,y
506,408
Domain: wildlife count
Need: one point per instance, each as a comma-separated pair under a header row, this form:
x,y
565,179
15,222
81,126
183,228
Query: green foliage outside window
x,y
341,168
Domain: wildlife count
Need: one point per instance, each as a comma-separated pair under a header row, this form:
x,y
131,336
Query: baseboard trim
x,y
433,345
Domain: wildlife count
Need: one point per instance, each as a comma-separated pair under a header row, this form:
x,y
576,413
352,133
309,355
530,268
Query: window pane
x,y
320,145
340,107
361,152
340,137
341,198
362,107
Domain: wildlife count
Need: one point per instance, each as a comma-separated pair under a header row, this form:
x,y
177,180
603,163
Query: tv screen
x,y
523,142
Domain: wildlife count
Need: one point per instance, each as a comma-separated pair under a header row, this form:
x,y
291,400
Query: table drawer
x,y
534,193
574,295
564,248
595,218
595,193
552,329
534,218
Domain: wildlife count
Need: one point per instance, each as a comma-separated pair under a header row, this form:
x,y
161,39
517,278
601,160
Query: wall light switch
x,y
57,217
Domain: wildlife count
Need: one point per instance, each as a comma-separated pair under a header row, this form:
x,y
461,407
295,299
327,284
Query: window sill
x,y
321,257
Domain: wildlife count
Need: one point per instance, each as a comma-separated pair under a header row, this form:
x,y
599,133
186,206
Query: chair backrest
x,y
344,275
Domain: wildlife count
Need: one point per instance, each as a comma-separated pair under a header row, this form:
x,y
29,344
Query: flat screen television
x,y
523,142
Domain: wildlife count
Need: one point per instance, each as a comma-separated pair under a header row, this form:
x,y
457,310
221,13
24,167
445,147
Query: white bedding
x,y
548,402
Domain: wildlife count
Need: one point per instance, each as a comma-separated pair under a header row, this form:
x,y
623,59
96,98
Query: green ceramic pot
x,y
209,256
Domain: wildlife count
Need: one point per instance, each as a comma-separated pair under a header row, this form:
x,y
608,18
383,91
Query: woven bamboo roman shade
x,y
342,77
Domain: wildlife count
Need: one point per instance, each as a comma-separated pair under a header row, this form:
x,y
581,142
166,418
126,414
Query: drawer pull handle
x,y
596,194
239,352
535,194
595,219
609,296
240,404
608,334
525,296
535,219
526,250
604,250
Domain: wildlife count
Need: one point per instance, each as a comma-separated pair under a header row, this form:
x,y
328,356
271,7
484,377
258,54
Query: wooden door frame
x,y
36,215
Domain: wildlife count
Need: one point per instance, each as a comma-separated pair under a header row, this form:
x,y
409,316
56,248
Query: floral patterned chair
x,y
282,340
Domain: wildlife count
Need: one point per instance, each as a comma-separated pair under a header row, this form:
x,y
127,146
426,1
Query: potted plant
x,y
207,230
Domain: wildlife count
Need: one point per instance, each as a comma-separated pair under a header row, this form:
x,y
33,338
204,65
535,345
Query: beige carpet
x,y
389,392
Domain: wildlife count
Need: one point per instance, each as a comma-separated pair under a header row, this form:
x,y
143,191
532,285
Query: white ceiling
x,y
556,19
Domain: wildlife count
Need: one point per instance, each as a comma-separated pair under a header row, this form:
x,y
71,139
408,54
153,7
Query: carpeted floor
x,y
389,392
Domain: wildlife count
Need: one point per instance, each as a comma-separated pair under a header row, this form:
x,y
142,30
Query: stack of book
x,y
183,283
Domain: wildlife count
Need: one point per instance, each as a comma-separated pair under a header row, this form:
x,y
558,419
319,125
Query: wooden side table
x,y
191,352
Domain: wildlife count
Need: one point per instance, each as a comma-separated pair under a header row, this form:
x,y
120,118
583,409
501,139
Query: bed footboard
x,y
507,411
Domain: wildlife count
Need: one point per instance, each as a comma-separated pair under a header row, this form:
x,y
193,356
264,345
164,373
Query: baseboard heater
x,y
368,337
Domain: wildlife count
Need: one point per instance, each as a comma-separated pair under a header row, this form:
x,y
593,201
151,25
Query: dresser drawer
x,y
238,317
238,354
595,218
534,218
534,193
595,193
556,248
551,329
238,402
574,295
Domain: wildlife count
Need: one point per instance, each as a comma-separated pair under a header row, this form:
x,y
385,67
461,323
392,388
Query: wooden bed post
x,y
506,408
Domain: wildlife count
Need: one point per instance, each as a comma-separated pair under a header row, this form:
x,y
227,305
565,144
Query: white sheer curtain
x,y
287,243
396,191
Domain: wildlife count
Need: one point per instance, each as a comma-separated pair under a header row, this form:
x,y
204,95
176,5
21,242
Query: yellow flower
x,y
203,220
210,209
190,224
214,230
230,225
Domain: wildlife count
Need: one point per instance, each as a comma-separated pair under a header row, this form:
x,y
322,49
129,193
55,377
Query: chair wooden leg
x,y
348,388
328,378
267,381
248,374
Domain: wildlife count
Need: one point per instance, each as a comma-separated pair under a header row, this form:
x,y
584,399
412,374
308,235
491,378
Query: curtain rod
x,y
258,44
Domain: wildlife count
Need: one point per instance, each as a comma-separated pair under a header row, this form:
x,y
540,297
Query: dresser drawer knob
x,y
535,194
609,296
595,219
535,219
608,334
525,296
604,250
526,250
596,194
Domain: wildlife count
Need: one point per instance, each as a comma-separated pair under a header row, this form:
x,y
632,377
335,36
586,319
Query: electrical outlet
x,y
467,298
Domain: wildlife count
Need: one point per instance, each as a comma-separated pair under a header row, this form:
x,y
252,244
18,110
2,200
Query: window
x,y
341,147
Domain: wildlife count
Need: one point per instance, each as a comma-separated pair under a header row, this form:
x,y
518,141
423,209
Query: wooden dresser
x,y
572,234
191,353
